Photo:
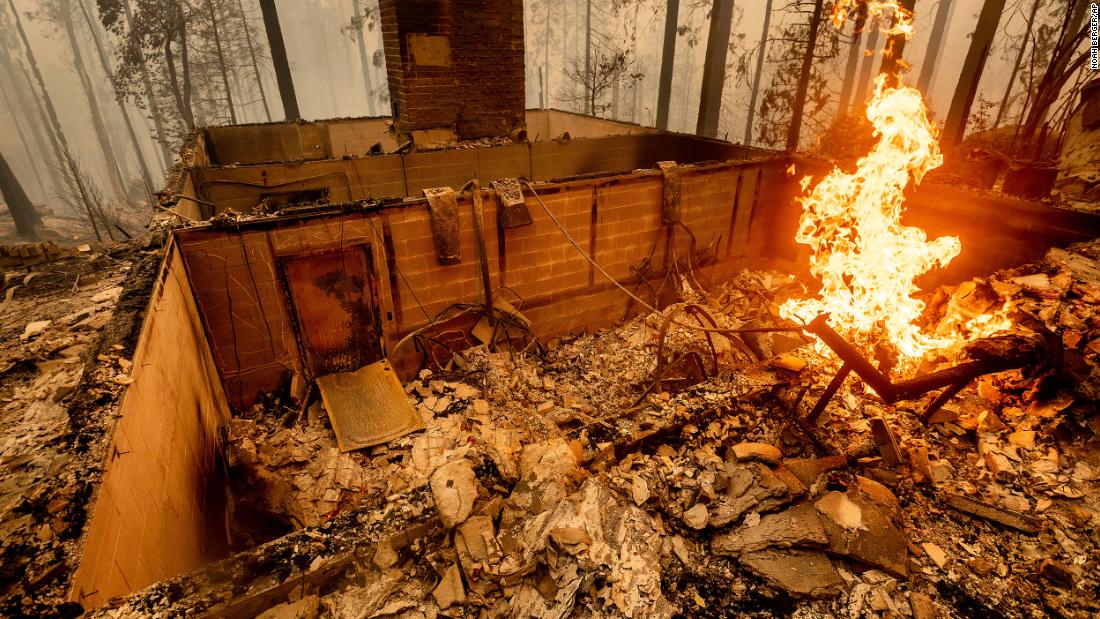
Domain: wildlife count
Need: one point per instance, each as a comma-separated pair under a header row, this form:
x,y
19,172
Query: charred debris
x,y
650,469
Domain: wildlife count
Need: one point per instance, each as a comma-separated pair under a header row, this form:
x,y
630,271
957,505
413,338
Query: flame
x,y
901,22
866,259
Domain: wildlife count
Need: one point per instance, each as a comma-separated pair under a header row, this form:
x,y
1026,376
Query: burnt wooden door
x,y
335,299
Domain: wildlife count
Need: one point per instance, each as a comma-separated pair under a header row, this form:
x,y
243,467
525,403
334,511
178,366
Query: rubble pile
x,y
575,482
66,339
594,478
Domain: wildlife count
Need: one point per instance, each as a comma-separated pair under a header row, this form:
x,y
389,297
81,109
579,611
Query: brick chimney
x,y
455,68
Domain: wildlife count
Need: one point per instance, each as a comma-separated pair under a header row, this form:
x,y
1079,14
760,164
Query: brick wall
x,y
157,512
456,64
616,219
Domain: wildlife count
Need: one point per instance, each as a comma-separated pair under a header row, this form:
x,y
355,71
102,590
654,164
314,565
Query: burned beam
x,y
830,391
990,360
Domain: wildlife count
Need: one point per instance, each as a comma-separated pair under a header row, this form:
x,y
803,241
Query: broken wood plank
x,y
251,605
1006,517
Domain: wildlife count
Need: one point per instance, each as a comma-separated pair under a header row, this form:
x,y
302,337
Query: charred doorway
x,y
334,296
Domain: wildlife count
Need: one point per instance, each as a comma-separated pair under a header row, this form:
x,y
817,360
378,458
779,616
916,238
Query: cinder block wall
x,y
248,317
242,187
455,64
158,511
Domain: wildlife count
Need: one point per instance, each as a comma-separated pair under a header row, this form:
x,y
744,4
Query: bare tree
x,y
759,70
973,65
19,92
58,136
255,64
221,61
802,52
714,69
1067,58
935,47
895,44
855,51
32,156
863,81
668,56
106,67
1016,65
609,65
61,14
150,98
278,58
799,103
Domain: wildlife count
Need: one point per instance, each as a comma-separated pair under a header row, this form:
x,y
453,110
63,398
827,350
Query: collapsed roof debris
x,y
709,496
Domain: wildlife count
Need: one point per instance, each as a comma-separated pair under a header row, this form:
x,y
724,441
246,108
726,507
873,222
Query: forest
x,y
98,95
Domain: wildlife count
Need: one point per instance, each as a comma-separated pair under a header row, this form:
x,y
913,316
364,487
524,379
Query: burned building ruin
x,y
444,363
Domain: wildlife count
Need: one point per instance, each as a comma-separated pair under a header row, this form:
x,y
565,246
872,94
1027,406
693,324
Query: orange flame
x,y
866,259
901,22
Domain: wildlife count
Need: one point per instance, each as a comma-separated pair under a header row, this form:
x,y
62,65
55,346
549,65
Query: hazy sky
x,y
328,76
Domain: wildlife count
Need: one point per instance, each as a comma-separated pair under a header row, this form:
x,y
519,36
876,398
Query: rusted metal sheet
x,y
443,209
670,203
513,211
368,406
335,299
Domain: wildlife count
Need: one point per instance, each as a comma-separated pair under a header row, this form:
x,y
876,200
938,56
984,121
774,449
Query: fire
x,y
866,259
901,22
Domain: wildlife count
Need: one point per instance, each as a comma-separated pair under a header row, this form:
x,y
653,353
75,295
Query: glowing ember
x,y
866,260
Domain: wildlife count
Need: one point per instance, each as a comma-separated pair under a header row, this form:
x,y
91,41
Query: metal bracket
x,y
670,202
443,209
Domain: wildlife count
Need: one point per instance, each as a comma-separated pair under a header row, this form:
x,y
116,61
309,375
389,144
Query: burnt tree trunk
x,y
51,113
895,48
1065,60
279,59
221,60
252,56
37,124
668,56
795,128
1016,65
185,66
863,82
19,205
935,47
174,85
61,178
760,52
955,126
714,68
32,156
146,178
154,107
114,171
855,51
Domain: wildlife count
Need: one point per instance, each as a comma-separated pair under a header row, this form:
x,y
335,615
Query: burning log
x,y
991,355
